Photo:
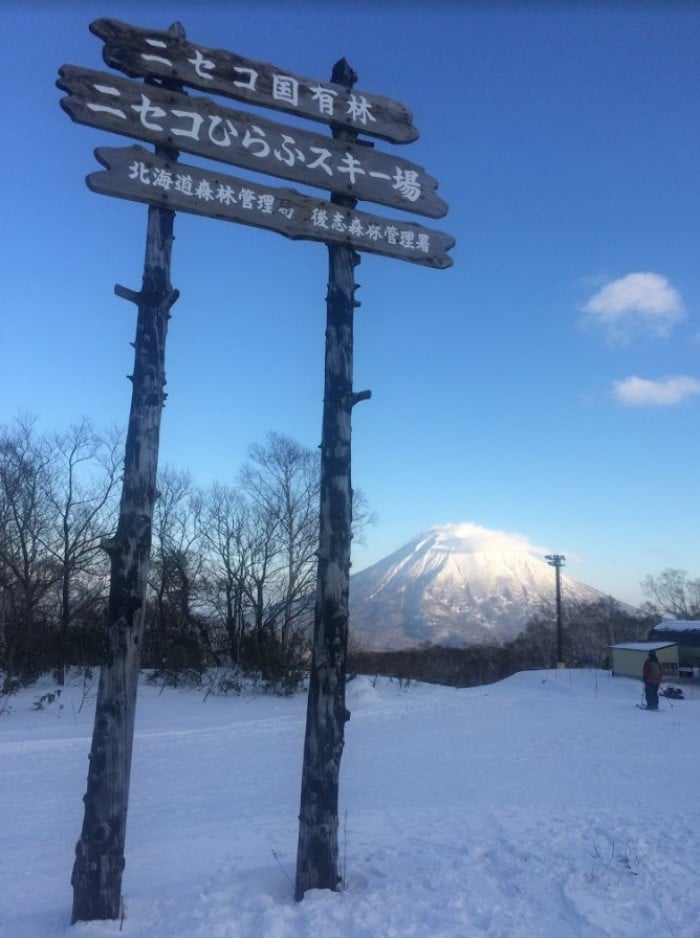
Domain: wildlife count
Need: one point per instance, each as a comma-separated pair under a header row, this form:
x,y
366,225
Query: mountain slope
x,y
454,585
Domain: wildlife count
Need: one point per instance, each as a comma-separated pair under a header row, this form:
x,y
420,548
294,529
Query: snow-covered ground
x,y
545,805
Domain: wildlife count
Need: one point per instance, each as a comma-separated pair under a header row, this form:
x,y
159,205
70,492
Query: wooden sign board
x,y
197,125
142,53
137,174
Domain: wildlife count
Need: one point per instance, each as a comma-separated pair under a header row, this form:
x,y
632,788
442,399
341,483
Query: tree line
x,y
232,571
589,628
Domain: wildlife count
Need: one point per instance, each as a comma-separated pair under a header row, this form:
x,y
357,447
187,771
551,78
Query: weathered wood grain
x,y
326,715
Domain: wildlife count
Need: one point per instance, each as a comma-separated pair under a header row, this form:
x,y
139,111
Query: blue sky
x,y
548,384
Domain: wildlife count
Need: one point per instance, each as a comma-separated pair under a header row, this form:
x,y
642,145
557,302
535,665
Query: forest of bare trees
x,y
232,566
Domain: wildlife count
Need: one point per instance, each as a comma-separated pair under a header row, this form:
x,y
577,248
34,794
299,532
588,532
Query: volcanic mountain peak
x,y
456,584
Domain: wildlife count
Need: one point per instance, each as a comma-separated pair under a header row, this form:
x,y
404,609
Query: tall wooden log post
x,y
317,853
99,854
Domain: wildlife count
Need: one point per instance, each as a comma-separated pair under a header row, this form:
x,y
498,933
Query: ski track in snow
x,y
545,805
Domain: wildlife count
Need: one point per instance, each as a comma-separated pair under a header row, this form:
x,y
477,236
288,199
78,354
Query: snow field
x,y
545,805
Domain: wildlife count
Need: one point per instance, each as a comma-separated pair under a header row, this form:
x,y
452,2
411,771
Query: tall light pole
x,y
557,561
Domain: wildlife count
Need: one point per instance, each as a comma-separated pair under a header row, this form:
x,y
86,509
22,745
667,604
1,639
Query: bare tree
x,y
177,561
537,644
81,490
27,572
674,594
260,549
282,480
224,526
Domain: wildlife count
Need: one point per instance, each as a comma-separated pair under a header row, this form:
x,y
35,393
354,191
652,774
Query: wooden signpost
x,y
160,113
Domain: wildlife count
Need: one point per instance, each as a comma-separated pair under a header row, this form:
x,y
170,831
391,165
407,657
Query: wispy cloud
x,y
637,303
640,392
472,538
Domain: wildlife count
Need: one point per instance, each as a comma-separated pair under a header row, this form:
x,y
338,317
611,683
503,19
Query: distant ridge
x,y
454,584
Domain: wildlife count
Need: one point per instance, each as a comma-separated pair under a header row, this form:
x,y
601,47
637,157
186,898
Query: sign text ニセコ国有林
x,y
157,53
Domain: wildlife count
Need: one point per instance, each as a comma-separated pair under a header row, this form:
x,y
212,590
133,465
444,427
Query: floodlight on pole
x,y
557,561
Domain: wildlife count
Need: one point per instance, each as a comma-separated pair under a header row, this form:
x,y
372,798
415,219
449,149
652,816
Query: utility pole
x,y
558,561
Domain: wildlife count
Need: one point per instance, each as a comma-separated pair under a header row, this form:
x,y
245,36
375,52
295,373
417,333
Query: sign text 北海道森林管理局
x,y
134,173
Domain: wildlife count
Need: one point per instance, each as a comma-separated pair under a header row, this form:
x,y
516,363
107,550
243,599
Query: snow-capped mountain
x,y
455,584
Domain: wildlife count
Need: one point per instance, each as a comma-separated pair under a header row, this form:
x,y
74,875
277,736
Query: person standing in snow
x,y
651,675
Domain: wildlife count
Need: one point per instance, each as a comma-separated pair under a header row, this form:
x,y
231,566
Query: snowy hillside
x,y
457,585
545,805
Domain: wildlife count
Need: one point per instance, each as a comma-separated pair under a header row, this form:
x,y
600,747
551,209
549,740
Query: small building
x,y
686,634
628,657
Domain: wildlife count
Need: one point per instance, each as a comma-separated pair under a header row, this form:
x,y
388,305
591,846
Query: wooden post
x,y
317,853
99,853
99,860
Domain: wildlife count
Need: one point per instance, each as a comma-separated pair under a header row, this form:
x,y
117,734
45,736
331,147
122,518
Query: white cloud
x,y
640,392
474,538
639,302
